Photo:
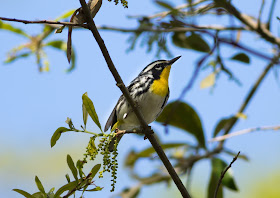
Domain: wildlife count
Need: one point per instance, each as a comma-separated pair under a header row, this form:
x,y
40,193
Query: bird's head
x,y
159,69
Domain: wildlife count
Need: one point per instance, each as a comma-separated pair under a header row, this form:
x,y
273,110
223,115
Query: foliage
x,y
35,45
173,27
81,180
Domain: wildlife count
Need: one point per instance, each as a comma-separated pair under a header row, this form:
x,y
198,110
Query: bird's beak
x,y
170,62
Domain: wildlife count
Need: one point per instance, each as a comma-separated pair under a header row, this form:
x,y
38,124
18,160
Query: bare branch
x,y
180,29
245,131
47,22
177,29
223,174
270,14
125,92
260,14
248,21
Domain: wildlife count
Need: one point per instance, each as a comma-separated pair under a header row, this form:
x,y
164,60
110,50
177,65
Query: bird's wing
x,y
164,103
111,120
165,99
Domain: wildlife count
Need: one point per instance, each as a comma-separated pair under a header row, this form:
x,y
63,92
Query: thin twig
x,y
262,30
272,8
177,29
260,14
223,174
120,84
244,131
47,22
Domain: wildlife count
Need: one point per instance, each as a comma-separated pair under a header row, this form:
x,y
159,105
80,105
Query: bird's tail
x,y
113,141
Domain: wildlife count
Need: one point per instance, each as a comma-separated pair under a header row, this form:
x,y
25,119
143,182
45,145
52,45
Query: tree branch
x,y
270,14
223,174
244,131
104,27
47,22
261,30
120,84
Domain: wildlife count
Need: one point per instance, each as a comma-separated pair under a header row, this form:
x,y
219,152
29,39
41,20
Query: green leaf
x,y
165,5
98,188
39,185
90,109
72,167
24,193
183,116
242,57
95,169
132,156
179,39
67,178
61,45
58,44
131,192
85,114
79,166
9,27
147,152
208,81
223,124
50,193
65,15
194,42
11,59
39,195
66,187
154,178
57,135
213,182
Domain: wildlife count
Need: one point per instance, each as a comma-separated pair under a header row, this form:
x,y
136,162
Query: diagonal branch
x,y
223,174
120,84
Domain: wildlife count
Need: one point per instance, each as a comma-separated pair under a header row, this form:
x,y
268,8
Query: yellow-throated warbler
x,y
149,90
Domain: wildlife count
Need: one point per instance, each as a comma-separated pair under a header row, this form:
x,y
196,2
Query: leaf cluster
x,y
184,155
82,181
35,45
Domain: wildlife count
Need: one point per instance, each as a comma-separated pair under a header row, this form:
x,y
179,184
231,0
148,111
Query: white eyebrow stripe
x,y
152,65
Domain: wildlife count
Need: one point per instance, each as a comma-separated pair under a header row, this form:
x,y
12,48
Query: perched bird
x,y
150,91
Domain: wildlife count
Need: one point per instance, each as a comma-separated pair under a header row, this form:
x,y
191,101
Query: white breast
x,y
150,107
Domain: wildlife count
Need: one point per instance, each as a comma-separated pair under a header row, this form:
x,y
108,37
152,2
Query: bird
x,y
150,91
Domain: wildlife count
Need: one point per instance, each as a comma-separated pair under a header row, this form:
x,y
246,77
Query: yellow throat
x,y
160,86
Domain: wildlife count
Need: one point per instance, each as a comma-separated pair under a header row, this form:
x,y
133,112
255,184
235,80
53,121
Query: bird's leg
x,y
119,132
150,132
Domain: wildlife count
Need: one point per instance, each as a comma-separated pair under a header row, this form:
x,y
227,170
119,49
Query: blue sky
x,y
34,104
